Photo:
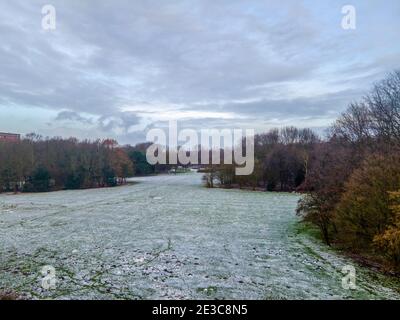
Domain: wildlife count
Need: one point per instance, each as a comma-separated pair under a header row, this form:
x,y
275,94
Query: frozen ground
x,y
168,237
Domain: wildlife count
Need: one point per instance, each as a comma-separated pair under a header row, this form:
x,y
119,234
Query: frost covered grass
x,y
168,237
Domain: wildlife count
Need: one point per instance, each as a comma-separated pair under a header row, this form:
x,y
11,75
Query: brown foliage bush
x,y
364,210
389,241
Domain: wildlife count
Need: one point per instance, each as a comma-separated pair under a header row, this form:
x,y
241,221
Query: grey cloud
x,y
72,116
282,108
107,55
101,57
106,123
123,120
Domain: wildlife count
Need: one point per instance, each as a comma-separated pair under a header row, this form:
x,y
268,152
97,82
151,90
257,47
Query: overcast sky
x,y
116,68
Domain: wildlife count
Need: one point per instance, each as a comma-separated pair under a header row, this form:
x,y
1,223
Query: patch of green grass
x,y
307,228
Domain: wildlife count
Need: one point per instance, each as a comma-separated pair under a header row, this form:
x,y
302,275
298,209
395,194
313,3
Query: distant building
x,y
11,137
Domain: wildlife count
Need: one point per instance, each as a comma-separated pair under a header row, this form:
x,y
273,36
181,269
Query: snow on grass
x,y
168,237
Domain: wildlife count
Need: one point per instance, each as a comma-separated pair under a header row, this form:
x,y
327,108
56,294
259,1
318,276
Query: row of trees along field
x,y
35,164
353,181
280,164
350,179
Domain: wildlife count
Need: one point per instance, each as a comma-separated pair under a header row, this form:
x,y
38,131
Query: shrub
x,y
389,241
364,209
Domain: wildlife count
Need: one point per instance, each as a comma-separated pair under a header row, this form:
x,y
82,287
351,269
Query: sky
x,y
115,69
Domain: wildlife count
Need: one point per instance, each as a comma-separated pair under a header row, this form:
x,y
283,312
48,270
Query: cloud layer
x,y
113,68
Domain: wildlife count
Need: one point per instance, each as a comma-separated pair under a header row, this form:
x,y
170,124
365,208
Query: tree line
x,y
350,179
353,181
280,164
37,164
